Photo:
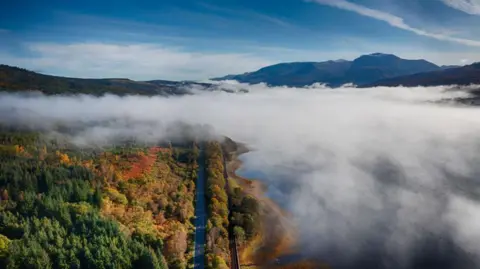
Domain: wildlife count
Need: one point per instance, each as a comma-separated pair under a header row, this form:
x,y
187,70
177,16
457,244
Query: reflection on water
x,y
277,191
247,170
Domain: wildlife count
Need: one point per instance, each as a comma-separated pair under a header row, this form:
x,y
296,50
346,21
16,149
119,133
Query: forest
x,y
230,208
14,79
217,250
125,206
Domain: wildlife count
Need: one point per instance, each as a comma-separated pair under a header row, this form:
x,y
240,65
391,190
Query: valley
x,y
212,134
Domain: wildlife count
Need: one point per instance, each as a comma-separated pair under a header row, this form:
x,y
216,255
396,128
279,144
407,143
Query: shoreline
x,y
279,234
278,231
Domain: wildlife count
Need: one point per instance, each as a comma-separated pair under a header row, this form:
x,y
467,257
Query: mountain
x,y
464,75
18,79
373,67
364,69
295,74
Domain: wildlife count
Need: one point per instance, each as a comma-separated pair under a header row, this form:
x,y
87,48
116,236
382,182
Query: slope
x,y
465,75
373,67
295,74
364,69
14,79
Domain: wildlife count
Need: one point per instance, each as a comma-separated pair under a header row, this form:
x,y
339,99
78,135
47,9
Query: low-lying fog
x,y
375,178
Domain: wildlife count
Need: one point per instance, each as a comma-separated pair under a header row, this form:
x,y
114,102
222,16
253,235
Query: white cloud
x,y
151,61
248,13
393,20
381,175
467,6
136,61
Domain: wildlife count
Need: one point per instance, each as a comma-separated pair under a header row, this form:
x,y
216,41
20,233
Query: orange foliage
x,y
63,158
143,164
153,196
19,149
88,164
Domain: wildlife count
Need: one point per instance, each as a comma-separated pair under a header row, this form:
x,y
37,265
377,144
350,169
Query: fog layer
x,y
375,178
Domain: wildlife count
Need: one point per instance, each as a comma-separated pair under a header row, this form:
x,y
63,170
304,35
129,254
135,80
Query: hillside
x,y
465,75
125,206
18,79
364,69
373,67
295,74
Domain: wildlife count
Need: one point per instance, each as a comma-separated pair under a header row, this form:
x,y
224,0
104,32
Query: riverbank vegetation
x,y
273,234
245,208
244,216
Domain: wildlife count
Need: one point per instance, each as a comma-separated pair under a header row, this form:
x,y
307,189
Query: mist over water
x,y
375,178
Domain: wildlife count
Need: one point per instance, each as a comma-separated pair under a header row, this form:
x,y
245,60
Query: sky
x,y
195,40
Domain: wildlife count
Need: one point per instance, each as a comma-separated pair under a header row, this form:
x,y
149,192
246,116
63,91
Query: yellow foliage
x,y
219,263
63,158
118,175
116,196
19,149
4,243
81,208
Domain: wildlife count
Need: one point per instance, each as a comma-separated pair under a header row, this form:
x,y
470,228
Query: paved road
x,y
201,216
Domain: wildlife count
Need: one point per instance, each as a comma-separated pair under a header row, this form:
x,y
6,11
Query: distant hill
x,y
373,67
364,69
465,75
295,74
18,79
368,70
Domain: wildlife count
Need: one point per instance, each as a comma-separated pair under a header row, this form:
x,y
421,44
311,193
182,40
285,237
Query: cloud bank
x,y
375,178
140,61
468,6
398,22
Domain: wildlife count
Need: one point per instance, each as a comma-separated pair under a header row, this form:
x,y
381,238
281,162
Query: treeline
x,y
217,251
13,79
68,208
245,216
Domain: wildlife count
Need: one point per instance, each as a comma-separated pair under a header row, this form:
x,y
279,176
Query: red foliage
x,y
141,164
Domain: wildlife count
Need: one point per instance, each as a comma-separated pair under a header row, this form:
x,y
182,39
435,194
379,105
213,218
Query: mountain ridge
x,y
22,80
15,79
464,75
362,70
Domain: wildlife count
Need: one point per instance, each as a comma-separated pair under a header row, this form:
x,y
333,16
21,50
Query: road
x,y
201,219
200,216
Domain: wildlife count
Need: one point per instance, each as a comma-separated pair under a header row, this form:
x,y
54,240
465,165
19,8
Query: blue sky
x,y
184,39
